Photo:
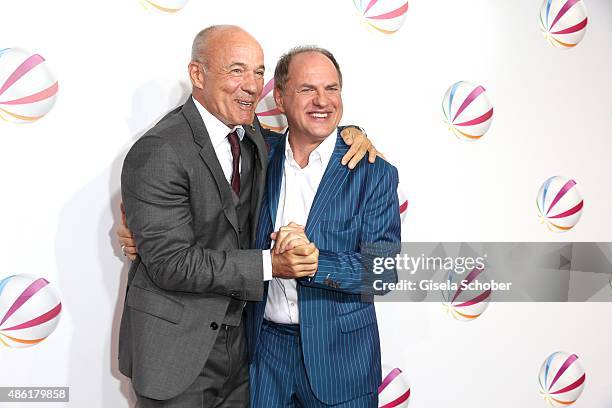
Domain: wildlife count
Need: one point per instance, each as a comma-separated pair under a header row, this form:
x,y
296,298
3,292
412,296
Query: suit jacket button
x,y
214,326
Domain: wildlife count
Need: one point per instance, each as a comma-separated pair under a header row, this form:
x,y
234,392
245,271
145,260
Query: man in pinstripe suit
x,y
192,187
313,341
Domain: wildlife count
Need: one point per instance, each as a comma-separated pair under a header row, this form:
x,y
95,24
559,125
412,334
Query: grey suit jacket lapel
x,y
207,152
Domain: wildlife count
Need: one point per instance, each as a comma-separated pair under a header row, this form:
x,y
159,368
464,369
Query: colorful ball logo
x,y
466,305
164,6
403,203
467,110
563,22
561,379
29,310
27,87
394,391
559,204
385,16
268,114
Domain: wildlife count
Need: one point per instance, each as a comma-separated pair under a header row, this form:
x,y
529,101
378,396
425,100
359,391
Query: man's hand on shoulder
x,y
359,144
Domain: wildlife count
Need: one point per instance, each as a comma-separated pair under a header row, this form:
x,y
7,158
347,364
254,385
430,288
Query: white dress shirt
x,y
298,189
218,131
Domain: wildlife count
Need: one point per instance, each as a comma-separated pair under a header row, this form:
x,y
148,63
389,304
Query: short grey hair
x,y
281,72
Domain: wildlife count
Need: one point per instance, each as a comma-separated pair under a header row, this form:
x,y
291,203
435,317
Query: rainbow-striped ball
x,y
403,203
394,391
384,16
164,6
467,110
268,114
563,22
28,88
559,204
466,305
30,310
561,379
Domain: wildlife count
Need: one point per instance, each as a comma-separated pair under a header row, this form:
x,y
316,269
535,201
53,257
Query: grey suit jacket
x,y
180,209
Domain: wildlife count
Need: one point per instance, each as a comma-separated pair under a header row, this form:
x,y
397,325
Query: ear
x,y
278,99
195,74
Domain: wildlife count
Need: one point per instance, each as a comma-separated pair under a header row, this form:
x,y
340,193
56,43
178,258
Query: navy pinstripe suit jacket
x,y
338,326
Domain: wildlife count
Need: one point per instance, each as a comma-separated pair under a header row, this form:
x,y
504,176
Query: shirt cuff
x,y
267,265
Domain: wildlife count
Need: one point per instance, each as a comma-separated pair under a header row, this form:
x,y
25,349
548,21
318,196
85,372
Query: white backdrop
x,y
120,68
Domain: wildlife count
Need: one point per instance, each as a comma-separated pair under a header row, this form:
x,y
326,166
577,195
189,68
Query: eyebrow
x,y
243,65
307,85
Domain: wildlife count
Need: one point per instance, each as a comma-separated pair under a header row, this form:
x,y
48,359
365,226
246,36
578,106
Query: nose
x,y
250,83
321,99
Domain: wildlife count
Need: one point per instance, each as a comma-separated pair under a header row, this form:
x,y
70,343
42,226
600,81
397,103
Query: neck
x,y
198,97
302,146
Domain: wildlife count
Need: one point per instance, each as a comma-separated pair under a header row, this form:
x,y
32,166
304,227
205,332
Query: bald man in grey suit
x,y
192,188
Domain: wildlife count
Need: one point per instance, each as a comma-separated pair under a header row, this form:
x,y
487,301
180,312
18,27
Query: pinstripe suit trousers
x,y
278,375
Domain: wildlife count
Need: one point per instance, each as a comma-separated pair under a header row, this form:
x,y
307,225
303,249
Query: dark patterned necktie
x,y
235,146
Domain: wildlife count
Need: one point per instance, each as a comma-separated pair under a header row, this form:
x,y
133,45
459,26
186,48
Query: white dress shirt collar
x,y
217,130
321,155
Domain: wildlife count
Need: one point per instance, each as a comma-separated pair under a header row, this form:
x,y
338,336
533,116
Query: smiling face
x,y
229,81
311,98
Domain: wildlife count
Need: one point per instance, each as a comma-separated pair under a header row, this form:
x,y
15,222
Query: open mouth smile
x,y
245,104
319,115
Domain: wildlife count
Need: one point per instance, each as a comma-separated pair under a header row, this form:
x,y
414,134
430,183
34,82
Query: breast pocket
x,y
339,236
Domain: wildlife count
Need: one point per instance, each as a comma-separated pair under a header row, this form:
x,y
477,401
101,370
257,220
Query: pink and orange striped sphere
x,y
561,379
394,391
28,88
164,6
559,204
268,114
467,110
563,22
30,310
463,305
384,16
403,203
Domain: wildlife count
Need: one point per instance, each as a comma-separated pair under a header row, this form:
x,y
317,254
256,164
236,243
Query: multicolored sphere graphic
x,y
559,204
30,310
268,114
563,22
466,305
561,379
394,391
384,16
164,6
28,88
467,110
403,203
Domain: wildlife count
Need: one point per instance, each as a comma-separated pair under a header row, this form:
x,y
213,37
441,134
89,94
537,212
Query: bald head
x,y
227,72
211,37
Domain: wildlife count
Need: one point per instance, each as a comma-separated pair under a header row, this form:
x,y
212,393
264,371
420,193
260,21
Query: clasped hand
x,y
293,255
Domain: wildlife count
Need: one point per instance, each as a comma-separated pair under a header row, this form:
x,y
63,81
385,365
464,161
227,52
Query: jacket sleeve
x,y
155,192
352,271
